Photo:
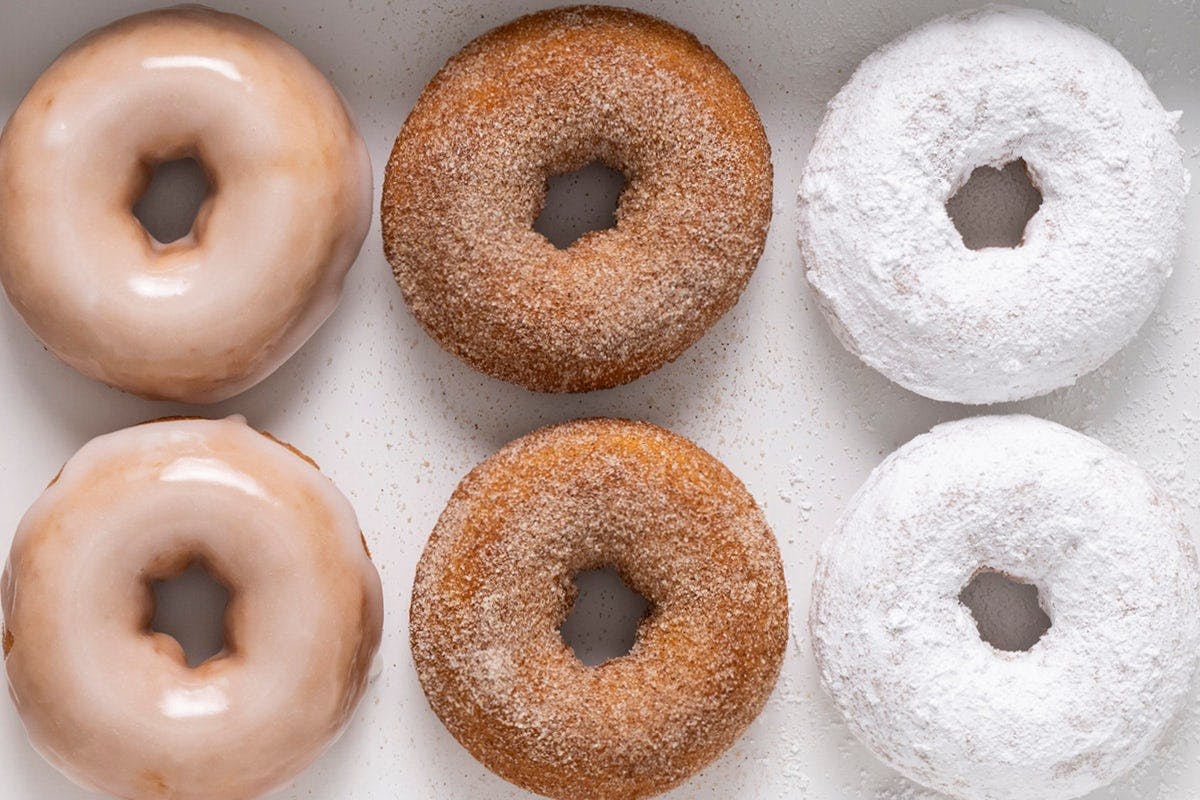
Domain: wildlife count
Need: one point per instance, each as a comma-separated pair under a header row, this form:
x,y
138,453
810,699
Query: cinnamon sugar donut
x,y
495,583
113,704
289,203
548,94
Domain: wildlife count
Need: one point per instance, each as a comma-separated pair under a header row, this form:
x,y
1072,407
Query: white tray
x,y
396,422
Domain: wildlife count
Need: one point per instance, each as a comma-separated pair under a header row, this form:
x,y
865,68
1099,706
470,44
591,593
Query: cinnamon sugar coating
x,y
495,584
547,94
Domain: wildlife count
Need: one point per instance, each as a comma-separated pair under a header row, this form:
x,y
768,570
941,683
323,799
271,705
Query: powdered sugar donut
x,y
1116,573
989,87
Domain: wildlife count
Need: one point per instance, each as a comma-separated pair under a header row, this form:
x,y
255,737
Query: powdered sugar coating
x,y
1116,572
495,583
988,87
547,94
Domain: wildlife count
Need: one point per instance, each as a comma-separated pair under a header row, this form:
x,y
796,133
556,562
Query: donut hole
x,y
1007,612
190,608
603,623
580,202
168,207
994,206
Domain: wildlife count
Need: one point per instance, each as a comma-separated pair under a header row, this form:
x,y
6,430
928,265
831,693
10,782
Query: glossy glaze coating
x,y
114,705
209,315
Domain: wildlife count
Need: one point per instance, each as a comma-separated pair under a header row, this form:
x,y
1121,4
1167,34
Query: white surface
x,y
397,422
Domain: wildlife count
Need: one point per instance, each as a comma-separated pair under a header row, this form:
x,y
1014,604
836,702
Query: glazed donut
x,y
989,87
212,314
495,583
113,704
545,95
1116,573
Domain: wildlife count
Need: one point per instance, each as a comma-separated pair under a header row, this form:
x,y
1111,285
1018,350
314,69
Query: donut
x,y
210,315
495,583
1116,573
548,94
113,704
987,88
